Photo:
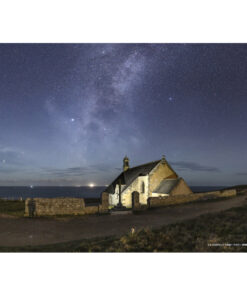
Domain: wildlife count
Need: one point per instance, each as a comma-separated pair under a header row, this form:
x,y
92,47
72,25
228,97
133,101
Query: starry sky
x,y
70,112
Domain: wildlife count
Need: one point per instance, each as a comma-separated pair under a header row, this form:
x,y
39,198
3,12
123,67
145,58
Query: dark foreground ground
x,y
196,227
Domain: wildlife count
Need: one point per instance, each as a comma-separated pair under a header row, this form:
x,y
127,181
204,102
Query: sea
x,y
23,192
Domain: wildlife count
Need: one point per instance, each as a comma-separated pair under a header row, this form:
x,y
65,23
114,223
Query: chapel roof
x,y
166,185
128,176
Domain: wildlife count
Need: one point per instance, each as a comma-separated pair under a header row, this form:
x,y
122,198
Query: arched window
x,y
143,187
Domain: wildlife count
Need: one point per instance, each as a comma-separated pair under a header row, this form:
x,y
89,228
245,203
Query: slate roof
x,y
131,174
166,186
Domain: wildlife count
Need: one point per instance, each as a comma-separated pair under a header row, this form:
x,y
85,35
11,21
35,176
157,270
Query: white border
x,y
122,21
122,274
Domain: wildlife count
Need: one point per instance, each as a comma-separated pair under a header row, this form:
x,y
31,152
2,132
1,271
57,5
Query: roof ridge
x,y
171,179
143,164
130,174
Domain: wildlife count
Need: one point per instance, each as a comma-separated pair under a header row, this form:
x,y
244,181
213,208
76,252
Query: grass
x,y
196,235
229,227
12,207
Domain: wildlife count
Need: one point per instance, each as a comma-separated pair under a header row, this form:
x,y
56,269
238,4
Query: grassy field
x,y
229,227
12,207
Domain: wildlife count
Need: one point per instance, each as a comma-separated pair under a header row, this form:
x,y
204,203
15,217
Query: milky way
x,y
71,112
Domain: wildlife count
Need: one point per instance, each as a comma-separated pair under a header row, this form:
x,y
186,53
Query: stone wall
x,y
64,206
171,200
136,186
76,206
159,173
181,189
114,197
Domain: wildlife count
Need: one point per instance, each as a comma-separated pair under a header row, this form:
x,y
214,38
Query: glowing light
x,y
72,119
91,185
31,186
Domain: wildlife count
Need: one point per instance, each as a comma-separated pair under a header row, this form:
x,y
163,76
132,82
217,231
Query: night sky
x,y
70,112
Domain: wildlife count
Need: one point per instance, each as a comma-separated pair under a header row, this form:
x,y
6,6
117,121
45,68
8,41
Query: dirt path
x,y
38,231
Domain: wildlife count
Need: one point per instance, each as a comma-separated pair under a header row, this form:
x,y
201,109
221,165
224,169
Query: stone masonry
x,y
63,206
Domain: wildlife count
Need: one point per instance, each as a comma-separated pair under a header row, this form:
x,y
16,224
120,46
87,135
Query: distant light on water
x,y
31,186
91,185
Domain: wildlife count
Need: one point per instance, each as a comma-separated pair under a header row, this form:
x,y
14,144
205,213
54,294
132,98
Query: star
x,y
83,105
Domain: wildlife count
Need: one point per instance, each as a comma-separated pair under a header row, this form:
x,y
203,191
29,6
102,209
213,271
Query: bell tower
x,y
163,159
125,163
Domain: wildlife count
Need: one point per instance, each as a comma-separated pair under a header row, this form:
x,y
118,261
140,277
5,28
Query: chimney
x,y
125,163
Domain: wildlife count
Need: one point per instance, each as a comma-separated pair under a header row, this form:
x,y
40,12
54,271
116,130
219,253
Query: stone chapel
x,y
153,179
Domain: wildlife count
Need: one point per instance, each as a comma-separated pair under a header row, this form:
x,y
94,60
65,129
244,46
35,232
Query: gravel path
x,y
38,231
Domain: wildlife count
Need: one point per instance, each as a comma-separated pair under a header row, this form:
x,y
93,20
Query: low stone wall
x,y
179,199
63,206
76,206
219,193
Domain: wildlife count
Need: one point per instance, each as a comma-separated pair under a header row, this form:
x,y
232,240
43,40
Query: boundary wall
x,y
64,206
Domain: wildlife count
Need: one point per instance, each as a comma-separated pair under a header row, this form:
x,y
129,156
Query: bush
x,y
12,207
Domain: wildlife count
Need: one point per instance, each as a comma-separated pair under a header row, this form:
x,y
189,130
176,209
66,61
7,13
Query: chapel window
x,y
143,187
